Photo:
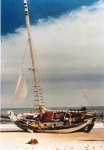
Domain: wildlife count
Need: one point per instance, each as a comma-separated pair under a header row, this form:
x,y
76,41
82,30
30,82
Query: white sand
x,y
17,139
99,125
47,141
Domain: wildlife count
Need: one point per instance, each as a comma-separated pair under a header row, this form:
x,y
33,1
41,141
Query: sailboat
x,y
46,120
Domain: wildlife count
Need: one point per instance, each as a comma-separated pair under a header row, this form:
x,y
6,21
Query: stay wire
x,y
85,95
23,58
32,11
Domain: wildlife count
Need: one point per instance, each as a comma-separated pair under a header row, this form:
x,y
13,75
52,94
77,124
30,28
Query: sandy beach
x,y
16,140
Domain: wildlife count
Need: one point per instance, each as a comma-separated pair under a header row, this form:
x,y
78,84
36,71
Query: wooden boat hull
x,y
53,126
84,127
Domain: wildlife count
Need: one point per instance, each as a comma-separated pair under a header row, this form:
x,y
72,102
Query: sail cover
x,y
21,88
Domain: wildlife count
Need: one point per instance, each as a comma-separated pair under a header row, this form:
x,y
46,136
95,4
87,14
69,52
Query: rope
x,y
32,11
24,54
85,95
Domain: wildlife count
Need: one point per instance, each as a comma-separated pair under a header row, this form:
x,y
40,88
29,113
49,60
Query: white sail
x,y
21,88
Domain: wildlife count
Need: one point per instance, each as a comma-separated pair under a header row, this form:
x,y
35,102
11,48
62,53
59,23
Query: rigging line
x,y
85,95
33,12
24,53
35,17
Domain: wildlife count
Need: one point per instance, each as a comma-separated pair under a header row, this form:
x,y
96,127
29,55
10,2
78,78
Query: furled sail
x,y
21,88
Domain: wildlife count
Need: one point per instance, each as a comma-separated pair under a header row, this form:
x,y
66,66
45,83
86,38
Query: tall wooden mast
x,y
37,89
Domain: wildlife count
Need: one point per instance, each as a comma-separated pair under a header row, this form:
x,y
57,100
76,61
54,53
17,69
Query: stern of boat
x,y
90,123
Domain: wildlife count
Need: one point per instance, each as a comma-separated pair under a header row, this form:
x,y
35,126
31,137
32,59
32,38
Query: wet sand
x,y
50,141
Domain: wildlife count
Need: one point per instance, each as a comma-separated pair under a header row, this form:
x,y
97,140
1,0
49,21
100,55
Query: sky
x,y
68,46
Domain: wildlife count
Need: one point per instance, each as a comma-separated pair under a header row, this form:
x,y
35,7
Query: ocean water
x,y
98,109
12,11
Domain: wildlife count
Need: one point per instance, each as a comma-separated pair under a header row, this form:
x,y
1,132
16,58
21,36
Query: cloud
x,y
70,47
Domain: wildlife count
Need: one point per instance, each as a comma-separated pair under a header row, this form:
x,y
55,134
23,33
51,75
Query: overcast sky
x,y
69,53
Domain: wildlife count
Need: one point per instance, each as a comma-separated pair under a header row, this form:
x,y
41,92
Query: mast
x,y
33,69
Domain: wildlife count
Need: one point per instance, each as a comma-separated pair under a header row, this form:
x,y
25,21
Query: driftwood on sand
x,y
33,141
